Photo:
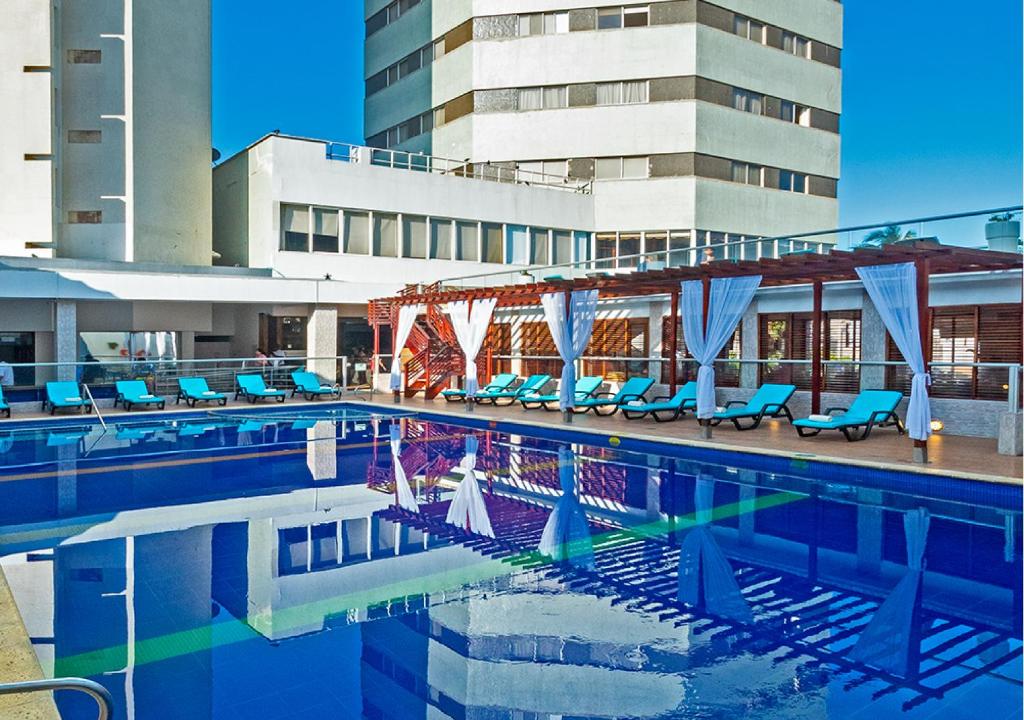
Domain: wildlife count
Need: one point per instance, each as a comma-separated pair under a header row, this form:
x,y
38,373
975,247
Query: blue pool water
x,y
273,564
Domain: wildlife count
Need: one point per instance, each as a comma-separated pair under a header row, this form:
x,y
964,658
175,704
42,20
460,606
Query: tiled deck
x,y
948,454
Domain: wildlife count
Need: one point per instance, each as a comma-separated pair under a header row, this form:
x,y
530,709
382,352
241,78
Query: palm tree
x,y
887,236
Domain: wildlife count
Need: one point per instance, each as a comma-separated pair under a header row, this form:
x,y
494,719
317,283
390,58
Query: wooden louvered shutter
x,y
954,339
1000,339
537,340
842,343
498,342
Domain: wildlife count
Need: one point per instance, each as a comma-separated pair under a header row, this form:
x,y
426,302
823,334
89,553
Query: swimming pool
x,y
280,563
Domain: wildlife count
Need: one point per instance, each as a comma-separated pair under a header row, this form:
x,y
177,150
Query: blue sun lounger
x,y
65,394
502,381
531,386
309,385
609,403
4,407
769,401
664,408
871,408
585,387
252,388
135,392
195,389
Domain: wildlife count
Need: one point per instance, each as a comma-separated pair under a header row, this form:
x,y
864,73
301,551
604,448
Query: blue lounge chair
x,y
252,388
135,392
609,403
195,389
769,401
309,385
664,408
65,394
4,407
872,408
585,387
502,381
531,386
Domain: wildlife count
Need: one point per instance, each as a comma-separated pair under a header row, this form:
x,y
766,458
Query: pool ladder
x,y
93,689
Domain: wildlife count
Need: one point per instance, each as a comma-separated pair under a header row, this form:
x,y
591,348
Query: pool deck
x,y
949,455
18,663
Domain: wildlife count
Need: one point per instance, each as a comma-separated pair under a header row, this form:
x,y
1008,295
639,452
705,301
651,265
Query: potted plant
x,y
1003,232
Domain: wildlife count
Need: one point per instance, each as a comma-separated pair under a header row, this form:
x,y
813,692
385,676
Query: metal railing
x,y
97,692
419,162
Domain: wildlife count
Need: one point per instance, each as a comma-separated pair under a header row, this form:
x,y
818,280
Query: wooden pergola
x,y
805,268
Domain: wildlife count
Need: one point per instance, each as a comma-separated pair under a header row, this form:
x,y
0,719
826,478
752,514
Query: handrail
x,y
93,689
95,407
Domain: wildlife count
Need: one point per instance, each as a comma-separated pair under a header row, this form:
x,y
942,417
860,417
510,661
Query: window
x,y
581,242
493,245
531,98
749,29
796,45
608,168
799,114
295,228
792,182
747,174
85,217
441,239
385,235
379,20
747,101
85,136
634,167
543,24
357,232
609,18
679,248
409,64
467,241
325,230
618,93
635,17
619,17
604,247
629,244
376,83
414,236
556,97
539,246
85,57
561,246
967,334
655,247
518,248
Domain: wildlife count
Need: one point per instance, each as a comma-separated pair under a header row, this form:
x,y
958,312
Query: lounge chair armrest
x,y
662,397
831,410
603,394
631,396
882,415
735,402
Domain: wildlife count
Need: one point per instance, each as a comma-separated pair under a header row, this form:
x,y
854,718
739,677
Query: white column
x,y
872,346
65,337
516,333
657,310
748,347
322,340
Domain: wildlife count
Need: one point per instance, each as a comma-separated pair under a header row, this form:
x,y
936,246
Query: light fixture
x,y
937,425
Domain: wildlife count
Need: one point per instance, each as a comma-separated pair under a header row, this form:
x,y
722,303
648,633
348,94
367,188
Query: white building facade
x,y
699,123
105,115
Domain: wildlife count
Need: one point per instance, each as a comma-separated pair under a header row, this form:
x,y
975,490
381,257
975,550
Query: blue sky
x,y
931,94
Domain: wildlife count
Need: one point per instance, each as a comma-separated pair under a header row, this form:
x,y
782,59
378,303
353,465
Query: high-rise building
x,y
701,123
106,122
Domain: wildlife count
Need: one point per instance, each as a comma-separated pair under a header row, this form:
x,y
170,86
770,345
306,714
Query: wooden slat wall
x,y
726,374
787,336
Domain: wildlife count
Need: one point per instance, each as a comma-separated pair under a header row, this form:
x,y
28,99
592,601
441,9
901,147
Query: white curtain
x,y
403,492
571,334
566,534
893,290
888,640
406,319
703,566
467,509
730,298
471,329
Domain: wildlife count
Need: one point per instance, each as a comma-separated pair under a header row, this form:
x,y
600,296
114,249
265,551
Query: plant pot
x,y
1003,236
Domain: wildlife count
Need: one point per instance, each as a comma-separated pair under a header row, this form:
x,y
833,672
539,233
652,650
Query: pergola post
x,y
816,341
395,351
705,425
568,413
923,268
470,402
673,339
372,375
426,364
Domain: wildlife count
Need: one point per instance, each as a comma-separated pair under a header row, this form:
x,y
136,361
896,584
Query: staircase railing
x,y
93,689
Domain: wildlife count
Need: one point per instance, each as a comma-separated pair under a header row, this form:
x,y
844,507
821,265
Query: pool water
x,y
283,564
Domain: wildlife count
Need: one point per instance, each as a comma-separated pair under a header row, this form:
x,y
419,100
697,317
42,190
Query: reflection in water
x,y
289,578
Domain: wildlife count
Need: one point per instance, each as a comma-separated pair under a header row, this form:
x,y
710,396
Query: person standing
x,y
6,374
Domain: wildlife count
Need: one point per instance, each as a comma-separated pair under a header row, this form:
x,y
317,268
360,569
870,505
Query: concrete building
x,y
105,114
698,122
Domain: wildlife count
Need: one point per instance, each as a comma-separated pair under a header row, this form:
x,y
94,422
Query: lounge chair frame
x,y
546,404
191,400
160,402
310,395
878,418
780,410
673,413
252,397
512,394
85,405
611,409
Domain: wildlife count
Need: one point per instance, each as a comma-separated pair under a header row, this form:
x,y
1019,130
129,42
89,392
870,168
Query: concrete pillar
x,y
747,507
872,346
187,346
869,533
322,452
322,341
748,347
653,493
516,343
1011,433
65,337
657,311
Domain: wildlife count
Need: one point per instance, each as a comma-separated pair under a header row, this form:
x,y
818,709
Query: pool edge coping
x,y
19,659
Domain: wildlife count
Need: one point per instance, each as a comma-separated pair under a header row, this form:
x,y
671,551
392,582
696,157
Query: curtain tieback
x,y
927,378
